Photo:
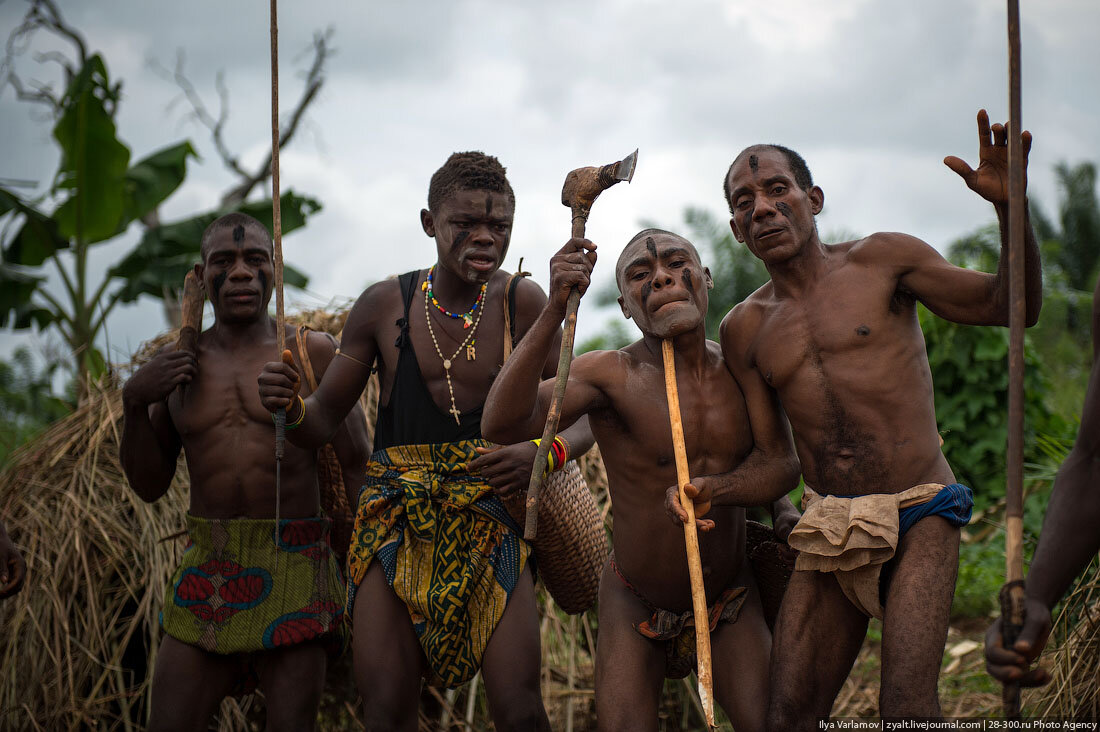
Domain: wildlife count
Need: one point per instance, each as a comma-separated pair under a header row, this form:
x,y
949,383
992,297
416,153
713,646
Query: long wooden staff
x,y
277,226
691,538
1012,594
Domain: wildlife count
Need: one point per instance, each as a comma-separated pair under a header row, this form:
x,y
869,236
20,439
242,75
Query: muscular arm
x,y
771,469
517,404
150,444
345,378
965,296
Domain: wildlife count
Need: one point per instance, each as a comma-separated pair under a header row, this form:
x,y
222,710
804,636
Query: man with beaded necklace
x,y
450,591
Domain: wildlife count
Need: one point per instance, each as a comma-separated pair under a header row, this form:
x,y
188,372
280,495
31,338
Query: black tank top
x,y
412,417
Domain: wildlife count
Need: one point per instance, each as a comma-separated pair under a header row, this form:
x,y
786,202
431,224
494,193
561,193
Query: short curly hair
x,y
801,172
465,171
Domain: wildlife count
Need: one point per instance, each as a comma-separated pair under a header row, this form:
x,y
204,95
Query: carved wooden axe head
x,y
583,185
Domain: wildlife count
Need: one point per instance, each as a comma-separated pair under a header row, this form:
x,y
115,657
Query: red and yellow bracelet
x,y
558,454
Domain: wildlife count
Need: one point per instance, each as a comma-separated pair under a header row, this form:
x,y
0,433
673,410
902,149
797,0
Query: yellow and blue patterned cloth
x,y
448,548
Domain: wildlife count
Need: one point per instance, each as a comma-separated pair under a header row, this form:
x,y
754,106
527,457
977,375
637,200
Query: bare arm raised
x,y
345,378
962,295
150,444
517,404
771,469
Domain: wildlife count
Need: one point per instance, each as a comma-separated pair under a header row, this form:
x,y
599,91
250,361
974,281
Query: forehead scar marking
x,y
238,233
754,163
783,208
650,246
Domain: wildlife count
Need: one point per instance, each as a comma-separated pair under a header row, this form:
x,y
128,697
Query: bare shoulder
x,y
373,306
530,298
742,322
886,248
601,368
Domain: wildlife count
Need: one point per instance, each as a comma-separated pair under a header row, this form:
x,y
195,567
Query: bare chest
x,y
224,396
846,323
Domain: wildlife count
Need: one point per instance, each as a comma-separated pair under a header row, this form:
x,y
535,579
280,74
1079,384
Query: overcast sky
x,y
873,93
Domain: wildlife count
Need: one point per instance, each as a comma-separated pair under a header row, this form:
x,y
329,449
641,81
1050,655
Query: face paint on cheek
x,y
647,290
459,240
685,275
216,285
784,209
746,221
263,280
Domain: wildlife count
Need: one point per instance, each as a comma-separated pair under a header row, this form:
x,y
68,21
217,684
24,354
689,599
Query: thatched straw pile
x,y
1074,660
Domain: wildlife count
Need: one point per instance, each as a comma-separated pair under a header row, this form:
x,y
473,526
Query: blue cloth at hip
x,y
954,503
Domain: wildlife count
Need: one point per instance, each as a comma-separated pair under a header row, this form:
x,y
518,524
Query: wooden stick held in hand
x,y
691,538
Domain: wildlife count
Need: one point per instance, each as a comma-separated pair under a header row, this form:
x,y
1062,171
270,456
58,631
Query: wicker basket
x,y
571,548
771,567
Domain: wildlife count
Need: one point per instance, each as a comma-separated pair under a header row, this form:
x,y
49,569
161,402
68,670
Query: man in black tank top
x,y
438,579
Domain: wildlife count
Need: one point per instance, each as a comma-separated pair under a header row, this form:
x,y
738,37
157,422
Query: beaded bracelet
x,y
301,414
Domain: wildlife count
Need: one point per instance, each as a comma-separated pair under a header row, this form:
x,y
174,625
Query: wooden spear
x,y
691,538
1012,594
277,233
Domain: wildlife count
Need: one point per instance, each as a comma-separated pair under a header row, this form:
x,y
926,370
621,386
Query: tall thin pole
x,y
277,226
1012,595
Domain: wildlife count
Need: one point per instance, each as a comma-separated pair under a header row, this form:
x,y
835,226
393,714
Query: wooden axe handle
x,y
691,538
553,415
191,313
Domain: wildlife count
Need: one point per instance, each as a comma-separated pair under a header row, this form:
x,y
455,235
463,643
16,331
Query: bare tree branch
x,y
314,81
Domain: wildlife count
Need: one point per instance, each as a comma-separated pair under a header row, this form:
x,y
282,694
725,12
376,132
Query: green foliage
x,y
27,402
98,195
970,371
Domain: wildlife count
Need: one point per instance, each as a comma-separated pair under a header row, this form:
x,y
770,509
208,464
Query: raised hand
x,y
990,180
279,383
154,381
571,267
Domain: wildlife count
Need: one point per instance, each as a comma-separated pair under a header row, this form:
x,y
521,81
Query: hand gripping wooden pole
x,y
581,188
691,538
1012,594
277,233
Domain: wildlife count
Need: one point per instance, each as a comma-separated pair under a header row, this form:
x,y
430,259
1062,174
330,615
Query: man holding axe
x,y
737,444
439,583
251,603
835,334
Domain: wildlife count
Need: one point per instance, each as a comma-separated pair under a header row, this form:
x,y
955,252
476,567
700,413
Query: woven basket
x,y
571,548
771,567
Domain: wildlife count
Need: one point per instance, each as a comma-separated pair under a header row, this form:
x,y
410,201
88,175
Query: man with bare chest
x,y
835,334
739,452
439,583
251,602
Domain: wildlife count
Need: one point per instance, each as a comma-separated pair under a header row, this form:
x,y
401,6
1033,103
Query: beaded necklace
x,y
467,343
467,318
